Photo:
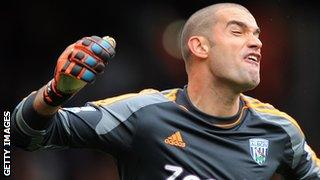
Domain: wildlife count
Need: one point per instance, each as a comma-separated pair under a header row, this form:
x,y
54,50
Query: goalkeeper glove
x,y
78,66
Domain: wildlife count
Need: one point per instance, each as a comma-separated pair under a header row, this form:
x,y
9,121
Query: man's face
x,y
235,53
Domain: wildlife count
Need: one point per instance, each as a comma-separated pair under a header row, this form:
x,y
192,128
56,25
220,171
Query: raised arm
x,y
77,66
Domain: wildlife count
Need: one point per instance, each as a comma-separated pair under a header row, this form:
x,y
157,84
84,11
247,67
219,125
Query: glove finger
x,y
77,70
63,62
100,47
87,75
82,73
108,49
89,62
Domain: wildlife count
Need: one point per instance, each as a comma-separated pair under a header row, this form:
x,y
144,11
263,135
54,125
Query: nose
x,y
254,42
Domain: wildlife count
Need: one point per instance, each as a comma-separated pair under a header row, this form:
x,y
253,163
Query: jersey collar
x,y
220,122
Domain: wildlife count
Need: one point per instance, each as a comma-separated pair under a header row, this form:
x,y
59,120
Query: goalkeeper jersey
x,y
162,135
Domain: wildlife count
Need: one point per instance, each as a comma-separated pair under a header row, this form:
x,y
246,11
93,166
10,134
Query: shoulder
x,y
269,113
140,99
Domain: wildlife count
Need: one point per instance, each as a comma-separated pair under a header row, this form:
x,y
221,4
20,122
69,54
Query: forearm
x,y
65,128
32,120
28,126
36,112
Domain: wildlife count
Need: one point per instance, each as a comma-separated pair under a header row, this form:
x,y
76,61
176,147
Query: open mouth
x,y
253,58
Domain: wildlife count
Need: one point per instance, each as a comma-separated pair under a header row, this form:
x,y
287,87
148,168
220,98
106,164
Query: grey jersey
x,y
161,135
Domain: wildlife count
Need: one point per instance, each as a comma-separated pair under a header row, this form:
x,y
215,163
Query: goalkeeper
x,y
205,130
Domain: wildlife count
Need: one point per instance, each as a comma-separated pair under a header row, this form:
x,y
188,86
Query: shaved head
x,y
200,24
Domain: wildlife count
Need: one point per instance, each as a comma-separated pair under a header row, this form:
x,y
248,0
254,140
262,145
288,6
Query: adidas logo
x,y
175,140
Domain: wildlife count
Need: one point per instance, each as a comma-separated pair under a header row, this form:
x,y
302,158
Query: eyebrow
x,y
243,25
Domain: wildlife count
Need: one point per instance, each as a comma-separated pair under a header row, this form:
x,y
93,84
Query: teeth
x,y
254,58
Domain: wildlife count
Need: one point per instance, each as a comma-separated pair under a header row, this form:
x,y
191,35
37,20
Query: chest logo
x,y
176,140
259,150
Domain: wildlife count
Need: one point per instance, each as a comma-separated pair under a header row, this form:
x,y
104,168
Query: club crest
x,y
259,149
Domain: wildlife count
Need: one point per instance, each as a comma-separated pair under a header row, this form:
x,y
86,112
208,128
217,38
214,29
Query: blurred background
x,y
34,33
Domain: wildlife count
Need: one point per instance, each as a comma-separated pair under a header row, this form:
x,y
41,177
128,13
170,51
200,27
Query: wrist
x,y
41,107
52,96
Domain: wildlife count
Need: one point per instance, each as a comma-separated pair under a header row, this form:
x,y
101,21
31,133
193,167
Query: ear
x,y
199,46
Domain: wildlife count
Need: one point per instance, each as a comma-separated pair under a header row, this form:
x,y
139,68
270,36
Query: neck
x,y
213,98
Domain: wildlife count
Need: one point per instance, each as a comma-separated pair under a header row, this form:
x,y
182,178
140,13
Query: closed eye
x,y
238,28
237,33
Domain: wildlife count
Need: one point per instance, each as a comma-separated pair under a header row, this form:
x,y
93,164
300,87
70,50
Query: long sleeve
x,y
106,128
108,125
301,161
